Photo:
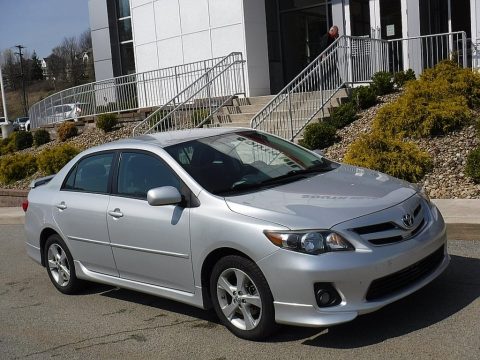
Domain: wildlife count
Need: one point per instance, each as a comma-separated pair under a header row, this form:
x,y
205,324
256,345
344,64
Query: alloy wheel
x,y
239,299
58,264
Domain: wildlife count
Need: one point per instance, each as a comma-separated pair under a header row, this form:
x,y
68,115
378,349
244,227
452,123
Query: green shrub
x,y
424,110
382,82
389,155
364,97
472,169
198,116
343,115
106,122
50,161
402,77
23,140
318,136
66,130
41,137
16,167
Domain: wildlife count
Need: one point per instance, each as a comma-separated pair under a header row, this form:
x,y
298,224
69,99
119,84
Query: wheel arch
x,y
44,235
210,260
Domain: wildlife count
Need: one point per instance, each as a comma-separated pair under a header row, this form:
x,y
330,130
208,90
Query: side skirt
x,y
194,299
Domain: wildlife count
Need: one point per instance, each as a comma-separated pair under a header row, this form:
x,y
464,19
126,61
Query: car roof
x,y
167,138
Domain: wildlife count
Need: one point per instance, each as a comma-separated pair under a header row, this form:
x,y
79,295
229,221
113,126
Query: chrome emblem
x,y
407,220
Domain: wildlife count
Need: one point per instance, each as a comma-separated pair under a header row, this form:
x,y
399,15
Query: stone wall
x,y
12,198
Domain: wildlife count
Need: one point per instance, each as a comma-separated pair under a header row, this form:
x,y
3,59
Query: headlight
x,y
309,242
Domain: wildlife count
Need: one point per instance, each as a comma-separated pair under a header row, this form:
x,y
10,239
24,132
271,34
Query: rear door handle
x,y
61,206
115,213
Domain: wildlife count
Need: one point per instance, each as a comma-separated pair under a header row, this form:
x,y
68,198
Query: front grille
x,y
395,282
392,233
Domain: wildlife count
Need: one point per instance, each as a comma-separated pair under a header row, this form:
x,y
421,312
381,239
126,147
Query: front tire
x,y
242,298
60,267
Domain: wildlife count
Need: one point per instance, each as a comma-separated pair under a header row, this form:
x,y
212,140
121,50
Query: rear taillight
x,y
25,205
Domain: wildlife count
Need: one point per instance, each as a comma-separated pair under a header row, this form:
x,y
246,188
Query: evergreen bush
x,y
318,136
41,137
51,161
66,130
16,167
106,122
390,155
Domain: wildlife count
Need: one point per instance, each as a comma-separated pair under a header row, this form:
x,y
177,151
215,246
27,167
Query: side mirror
x,y
165,195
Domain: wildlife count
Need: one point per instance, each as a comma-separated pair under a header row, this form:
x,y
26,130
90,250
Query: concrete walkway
x,y
462,217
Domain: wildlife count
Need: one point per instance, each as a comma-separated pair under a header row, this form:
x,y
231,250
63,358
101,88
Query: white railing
x,y
423,52
197,103
348,60
124,93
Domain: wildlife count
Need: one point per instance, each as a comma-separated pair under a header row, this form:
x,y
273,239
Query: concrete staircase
x,y
242,110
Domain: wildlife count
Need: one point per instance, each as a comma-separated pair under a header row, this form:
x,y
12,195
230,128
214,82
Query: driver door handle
x,y
115,213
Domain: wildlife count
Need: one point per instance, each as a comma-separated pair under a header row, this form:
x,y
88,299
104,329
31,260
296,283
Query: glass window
x,y
233,162
127,58
90,174
125,30
140,172
123,8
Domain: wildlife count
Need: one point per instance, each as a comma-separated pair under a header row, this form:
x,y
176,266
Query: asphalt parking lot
x,y
441,321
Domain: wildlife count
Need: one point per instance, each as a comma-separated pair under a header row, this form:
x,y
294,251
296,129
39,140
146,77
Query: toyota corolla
x,y
258,228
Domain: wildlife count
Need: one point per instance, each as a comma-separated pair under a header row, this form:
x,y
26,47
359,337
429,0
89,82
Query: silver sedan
x,y
258,228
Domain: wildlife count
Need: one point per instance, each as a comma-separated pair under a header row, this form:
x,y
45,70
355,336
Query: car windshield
x,y
245,161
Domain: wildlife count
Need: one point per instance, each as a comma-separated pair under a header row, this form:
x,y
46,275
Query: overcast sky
x,y
41,25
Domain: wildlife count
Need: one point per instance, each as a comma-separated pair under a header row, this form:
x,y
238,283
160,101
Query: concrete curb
x,y
462,217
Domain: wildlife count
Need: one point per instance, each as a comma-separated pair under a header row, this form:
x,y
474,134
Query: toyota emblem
x,y
407,220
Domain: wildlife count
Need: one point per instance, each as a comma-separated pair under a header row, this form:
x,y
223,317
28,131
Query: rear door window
x,y
91,174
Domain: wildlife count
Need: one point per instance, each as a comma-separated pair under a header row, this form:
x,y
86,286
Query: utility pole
x,y
25,103
4,102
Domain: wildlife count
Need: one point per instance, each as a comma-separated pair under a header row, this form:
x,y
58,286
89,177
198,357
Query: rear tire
x,y
242,298
60,267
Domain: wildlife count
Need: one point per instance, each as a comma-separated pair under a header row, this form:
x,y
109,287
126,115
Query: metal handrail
x,y
311,91
196,104
426,51
124,93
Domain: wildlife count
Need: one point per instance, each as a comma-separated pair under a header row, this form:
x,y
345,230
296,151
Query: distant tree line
x,y
69,64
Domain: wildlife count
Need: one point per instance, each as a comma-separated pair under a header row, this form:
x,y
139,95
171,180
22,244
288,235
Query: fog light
x,y
326,295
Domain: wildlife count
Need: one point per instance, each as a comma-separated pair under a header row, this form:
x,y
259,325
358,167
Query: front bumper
x,y
292,276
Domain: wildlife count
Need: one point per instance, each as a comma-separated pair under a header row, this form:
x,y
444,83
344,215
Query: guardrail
x,y
347,60
124,93
197,103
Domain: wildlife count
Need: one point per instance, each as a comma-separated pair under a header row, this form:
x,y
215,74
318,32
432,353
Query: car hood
x,y
324,200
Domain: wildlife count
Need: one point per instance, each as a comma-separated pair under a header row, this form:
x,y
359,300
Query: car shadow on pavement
x,y
160,303
452,291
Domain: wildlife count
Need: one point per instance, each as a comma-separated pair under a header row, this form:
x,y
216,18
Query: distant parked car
x,y
21,123
63,112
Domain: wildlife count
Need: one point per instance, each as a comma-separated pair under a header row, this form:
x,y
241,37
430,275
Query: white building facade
x,y
277,38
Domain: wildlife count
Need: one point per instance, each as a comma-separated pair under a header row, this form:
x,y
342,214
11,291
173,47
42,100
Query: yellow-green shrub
x,y
50,161
389,155
66,131
16,167
461,81
425,109
7,145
